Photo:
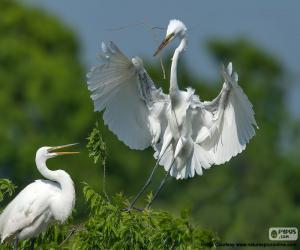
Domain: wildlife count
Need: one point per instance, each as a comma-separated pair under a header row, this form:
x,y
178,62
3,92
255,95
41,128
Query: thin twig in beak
x,y
67,153
164,43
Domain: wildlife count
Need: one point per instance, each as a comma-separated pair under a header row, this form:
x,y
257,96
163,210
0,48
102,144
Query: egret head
x,y
175,29
49,152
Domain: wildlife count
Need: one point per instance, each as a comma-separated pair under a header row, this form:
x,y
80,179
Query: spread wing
x,y
133,106
212,132
26,207
224,126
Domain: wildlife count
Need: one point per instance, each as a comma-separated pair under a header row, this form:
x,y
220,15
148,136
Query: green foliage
x,y
55,237
6,187
96,145
97,150
111,227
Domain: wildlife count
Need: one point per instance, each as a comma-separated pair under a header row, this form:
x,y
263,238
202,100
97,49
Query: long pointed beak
x,y
53,149
164,43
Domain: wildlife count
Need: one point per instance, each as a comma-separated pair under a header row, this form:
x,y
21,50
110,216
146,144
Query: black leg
x,y
161,185
147,182
145,186
32,244
16,244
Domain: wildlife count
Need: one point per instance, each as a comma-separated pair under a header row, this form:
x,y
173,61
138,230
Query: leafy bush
x,y
6,187
110,226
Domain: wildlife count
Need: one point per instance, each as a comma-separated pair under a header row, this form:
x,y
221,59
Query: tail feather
x,y
195,162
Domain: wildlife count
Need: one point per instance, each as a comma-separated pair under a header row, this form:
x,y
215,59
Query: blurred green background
x,y
44,101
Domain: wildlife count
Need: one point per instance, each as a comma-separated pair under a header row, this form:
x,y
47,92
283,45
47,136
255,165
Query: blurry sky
x,y
272,24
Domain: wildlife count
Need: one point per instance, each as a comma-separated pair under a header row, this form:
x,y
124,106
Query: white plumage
x,y
211,132
39,203
132,103
188,135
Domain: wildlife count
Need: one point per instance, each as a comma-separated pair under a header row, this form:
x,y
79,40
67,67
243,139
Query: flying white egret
x,y
188,135
41,202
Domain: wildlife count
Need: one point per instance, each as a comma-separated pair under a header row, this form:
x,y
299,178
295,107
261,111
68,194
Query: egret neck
x,y
173,77
177,111
59,176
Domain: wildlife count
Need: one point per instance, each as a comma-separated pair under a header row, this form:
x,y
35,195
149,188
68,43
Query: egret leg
x,y
147,182
161,185
32,244
145,186
153,170
16,244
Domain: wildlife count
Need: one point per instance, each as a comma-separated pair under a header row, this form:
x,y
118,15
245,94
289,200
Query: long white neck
x,y
173,77
59,176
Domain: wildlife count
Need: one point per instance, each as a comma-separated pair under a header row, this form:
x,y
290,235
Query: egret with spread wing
x,y
200,134
39,203
188,135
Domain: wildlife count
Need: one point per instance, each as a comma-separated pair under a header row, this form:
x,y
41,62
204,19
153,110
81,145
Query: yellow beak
x,y
164,43
52,150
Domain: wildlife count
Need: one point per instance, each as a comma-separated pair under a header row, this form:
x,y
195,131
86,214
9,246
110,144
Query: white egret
x,y
187,134
41,202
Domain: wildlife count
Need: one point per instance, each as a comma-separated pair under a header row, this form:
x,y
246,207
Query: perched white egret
x,y
187,134
41,202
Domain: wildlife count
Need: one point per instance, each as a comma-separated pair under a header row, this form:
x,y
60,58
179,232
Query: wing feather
x,y
27,206
132,104
232,122
212,132
215,131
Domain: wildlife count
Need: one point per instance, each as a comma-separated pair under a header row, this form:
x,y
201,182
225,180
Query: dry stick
x,y
72,231
104,180
162,67
125,27
151,29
